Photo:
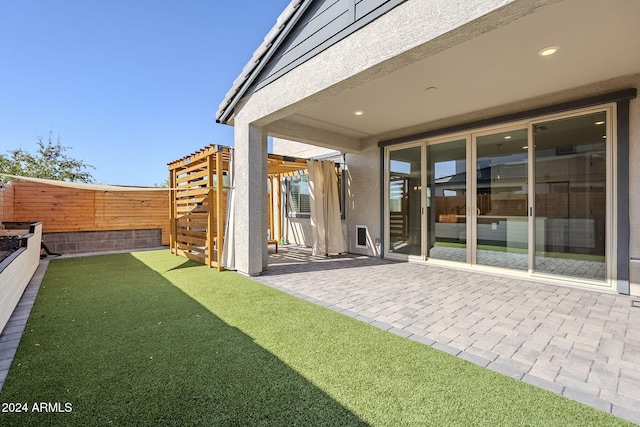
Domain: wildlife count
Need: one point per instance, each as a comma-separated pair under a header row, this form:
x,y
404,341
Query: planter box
x,y
16,271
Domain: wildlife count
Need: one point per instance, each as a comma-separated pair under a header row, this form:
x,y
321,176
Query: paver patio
x,y
583,344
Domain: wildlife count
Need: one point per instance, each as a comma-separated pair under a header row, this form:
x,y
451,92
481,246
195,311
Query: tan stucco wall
x,y
297,231
363,199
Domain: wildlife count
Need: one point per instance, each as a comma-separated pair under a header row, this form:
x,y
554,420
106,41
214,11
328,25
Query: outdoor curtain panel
x,y
325,208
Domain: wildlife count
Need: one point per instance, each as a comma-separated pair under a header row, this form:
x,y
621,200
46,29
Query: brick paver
x,y
583,344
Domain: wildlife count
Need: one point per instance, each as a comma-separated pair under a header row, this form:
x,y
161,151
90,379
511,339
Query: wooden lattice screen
x,y
198,204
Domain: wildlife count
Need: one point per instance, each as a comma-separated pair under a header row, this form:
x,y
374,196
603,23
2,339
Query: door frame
x,y
386,250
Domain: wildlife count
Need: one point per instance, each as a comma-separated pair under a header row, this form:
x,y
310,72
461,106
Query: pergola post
x,y
172,212
211,219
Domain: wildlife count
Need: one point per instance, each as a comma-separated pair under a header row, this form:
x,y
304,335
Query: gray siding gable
x,y
324,23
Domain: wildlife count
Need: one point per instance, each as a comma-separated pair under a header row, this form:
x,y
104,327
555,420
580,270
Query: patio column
x,y
250,199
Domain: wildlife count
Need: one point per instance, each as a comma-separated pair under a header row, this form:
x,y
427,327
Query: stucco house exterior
x,y
496,135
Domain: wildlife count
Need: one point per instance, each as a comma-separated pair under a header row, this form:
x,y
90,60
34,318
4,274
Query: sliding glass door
x,y
571,196
533,197
405,201
501,204
447,200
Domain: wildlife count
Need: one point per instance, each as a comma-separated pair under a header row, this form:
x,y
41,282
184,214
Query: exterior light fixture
x,y
548,51
600,122
358,112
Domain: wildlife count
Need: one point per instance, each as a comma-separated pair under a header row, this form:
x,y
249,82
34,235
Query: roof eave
x,y
259,59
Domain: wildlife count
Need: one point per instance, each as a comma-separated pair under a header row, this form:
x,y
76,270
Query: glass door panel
x,y
502,222
447,200
570,205
405,201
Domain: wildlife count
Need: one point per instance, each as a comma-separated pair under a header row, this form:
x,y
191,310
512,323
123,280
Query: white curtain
x,y
325,208
228,248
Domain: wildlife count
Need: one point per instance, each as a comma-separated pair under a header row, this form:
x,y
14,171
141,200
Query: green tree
x,y
49,162
163,184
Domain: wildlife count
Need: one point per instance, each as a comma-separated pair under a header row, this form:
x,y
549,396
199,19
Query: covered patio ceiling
x,y
598,41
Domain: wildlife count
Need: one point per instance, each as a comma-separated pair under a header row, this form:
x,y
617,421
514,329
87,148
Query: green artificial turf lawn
x,y
154,339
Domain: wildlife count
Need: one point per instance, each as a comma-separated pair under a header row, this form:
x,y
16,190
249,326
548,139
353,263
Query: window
x,y
298,204
298,196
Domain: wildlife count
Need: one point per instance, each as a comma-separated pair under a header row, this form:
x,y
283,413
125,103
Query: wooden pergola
x,y
198,201
279,167
198,204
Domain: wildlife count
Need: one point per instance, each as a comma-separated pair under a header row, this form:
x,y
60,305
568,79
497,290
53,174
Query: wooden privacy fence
x,y
62,209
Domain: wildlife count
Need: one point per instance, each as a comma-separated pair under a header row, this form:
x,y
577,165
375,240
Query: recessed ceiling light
x,y
549,50
526,147
507,137
600,122
358,112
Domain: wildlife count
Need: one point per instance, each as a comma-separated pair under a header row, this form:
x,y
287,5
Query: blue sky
x,y
128,85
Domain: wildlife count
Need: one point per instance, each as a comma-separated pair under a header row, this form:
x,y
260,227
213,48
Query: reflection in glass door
x,y
502,222
571,190
447,200
405,201
537,197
